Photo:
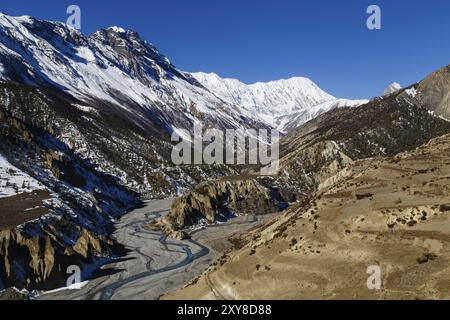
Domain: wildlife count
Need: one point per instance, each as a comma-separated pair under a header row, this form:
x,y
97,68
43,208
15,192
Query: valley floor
x,y
156,265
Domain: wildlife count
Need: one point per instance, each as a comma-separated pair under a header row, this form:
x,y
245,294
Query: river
x,y
156,265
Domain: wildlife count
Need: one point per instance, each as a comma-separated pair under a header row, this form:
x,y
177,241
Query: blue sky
x,y
263,40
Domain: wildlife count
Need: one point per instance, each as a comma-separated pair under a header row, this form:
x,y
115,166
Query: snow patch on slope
x,y
14,181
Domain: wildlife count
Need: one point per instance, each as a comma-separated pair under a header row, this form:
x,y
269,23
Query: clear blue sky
x,y
262,40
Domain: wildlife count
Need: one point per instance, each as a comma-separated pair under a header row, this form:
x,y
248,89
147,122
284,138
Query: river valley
x,y
156,265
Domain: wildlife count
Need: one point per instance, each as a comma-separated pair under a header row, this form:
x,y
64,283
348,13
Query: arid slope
x,y
394,213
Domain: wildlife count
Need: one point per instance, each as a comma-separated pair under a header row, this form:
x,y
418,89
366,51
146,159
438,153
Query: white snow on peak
x,y
393,87
117,29
102,72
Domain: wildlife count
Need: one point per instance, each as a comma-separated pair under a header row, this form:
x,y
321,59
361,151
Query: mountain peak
x,y
117,29
393,87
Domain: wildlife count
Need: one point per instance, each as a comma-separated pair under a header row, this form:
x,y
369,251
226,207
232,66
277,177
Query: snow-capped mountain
x,y
284,104
393,87
114,67
111,97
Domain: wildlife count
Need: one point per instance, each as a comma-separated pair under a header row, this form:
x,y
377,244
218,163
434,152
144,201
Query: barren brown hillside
x,y
394,213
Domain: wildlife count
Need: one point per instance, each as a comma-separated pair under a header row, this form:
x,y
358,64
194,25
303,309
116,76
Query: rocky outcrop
x,y
219,200
434,92
40,262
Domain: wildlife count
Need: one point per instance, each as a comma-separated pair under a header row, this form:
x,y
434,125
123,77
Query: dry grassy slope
x,y
393,212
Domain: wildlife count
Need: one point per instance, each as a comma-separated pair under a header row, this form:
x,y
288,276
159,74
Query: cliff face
x,y
40,261
434,92
219,200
